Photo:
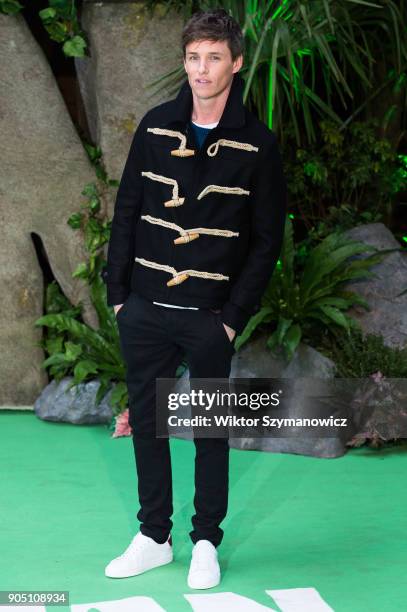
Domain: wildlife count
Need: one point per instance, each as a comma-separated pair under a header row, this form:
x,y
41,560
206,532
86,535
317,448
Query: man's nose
x,y
202,68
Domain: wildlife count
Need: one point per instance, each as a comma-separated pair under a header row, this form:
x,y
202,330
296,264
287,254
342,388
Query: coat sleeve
x,y
120,255
268,201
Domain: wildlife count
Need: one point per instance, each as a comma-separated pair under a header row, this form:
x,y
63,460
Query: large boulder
x,y
388,314
76,405
129,49
255,360
44,169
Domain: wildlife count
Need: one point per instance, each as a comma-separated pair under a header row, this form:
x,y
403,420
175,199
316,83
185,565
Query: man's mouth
x,y
202,81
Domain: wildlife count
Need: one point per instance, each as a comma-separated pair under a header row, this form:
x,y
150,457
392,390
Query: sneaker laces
x,y
136,544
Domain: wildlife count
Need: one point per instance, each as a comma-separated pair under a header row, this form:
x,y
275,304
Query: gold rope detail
x,y
176,200
214,147
183,232
173,271
222,189
163,179
162,132
182,151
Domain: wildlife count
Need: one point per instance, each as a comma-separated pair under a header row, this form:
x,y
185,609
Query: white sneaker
x,y
141,555
204,571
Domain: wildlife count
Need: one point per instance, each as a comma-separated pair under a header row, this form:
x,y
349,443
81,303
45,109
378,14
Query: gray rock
x,y
129,50
76,405
388,314
44,169
254,360
326,448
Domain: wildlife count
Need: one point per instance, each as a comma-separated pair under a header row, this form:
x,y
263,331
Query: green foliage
x,y
10,7
60,20
303,59
299,297
351,177
95,157
74,348
359,355
96,231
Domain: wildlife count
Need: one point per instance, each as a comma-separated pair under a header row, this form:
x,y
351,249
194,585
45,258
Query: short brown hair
x,y
215,24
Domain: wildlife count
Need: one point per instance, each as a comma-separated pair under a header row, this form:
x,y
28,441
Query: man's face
x,y
210,67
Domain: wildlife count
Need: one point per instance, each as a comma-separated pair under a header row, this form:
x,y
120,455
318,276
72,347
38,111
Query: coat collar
x,y
233,115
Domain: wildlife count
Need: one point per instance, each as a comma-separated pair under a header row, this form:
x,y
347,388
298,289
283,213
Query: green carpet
x,y
69,505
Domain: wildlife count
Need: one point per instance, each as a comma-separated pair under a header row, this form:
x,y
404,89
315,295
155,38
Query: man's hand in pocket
x,y
230,332
117,308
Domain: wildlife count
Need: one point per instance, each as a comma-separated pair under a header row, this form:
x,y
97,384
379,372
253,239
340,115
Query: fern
x,y
296,299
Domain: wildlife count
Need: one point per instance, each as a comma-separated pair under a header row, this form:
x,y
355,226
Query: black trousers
x,y
154,340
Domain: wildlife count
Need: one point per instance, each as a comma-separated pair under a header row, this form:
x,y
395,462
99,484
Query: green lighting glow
x,y
279,10
270,98
301,52
294,69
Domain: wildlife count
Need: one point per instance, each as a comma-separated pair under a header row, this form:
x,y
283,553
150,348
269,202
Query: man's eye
x,y
212,58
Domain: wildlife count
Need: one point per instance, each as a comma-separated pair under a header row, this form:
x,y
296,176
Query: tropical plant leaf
x,y
336,315
292,339
83,368
252,324
80,331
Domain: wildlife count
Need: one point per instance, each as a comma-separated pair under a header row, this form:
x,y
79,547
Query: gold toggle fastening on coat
x,y
177,280
214,147
186,238
176,200
182,151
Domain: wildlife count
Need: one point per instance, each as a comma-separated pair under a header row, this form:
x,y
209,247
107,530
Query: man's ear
x,y
238,63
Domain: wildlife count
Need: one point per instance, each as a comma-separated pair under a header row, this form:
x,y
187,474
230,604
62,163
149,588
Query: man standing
x,y
197,230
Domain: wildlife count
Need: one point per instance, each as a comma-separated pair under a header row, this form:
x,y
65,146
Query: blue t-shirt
x,y
200,133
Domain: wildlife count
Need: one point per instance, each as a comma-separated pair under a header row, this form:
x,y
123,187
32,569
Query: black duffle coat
x,y
198,227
